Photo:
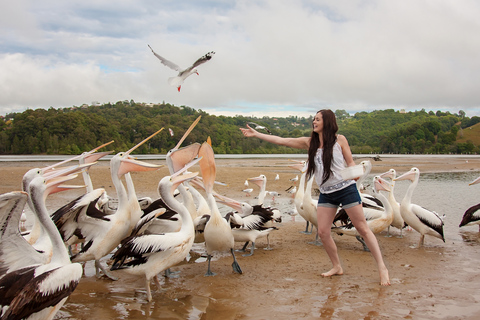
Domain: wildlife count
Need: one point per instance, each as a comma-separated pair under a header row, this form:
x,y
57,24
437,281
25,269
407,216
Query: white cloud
x,y
352,55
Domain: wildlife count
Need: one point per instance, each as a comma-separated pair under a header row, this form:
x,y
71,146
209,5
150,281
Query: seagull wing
x,y
166,62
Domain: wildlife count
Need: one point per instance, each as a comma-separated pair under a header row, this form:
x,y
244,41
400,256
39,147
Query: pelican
x,y
249,223
375,224
260,181
472,215
300,192
182,73
367,167
309,208
105,234
218,233
422,220
397,217
149,254
29,287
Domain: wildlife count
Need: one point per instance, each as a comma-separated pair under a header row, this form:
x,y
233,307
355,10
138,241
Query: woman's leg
x,y
358,219
325,218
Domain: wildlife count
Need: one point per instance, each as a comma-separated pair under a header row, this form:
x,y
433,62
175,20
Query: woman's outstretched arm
x,y
298,143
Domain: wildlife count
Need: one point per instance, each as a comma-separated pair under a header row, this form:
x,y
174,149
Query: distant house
x,y
402,111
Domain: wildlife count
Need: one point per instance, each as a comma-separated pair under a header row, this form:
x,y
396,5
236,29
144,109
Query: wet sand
x,y
438,281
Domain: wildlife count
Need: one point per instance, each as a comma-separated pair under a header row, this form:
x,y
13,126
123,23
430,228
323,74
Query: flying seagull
x,y
185,73
259,127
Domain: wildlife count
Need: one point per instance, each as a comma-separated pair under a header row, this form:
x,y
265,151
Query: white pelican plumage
x,y
182,73
309,207
249,223
472,214
261,182
375,224
422,220
29,287
300,192
397,217
218,233
147,255
102,235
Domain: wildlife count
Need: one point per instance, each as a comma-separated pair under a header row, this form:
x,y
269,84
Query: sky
x,y
273,58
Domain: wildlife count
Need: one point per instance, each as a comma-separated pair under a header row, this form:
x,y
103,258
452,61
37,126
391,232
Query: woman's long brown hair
x,y
329,135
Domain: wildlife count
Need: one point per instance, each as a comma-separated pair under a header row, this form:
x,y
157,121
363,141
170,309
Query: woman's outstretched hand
x,y
249,132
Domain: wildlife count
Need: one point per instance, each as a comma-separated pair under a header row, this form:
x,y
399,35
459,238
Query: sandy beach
x,y
437,281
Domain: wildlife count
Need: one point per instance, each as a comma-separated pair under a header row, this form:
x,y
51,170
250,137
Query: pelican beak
x,y
257,180
381,184
474,181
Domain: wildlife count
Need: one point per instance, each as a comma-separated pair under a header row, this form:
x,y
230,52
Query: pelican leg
x,y
171,274
422,240
98,267
268,243
317,241
235,265
209,272
306,229
252,248
244,247
365,248
388,232
149,293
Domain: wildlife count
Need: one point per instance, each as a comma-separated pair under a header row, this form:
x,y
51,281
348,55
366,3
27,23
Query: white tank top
x,y
335,182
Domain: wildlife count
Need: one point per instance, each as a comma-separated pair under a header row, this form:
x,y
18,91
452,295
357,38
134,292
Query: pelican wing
x,y
429,218
135,250
69,218
32,294
471,215
166,62
15,251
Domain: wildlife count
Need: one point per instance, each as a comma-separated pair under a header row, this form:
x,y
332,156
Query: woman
x,y
327,155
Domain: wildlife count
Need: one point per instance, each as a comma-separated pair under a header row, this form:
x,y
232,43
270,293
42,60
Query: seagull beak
x,y
178,88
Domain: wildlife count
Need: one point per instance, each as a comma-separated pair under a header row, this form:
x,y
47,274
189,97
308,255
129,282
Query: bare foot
x,y
334,271
384,278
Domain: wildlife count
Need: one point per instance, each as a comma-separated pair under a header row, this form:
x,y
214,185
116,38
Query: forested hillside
x,y
77,129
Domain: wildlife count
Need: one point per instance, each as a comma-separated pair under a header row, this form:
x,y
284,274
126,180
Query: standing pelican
x,y
30,288
260,181
422,220
149,254
218,233
397,217
472,215
300,192
105,234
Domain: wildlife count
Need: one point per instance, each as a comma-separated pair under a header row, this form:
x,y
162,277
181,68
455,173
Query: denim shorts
x,y
347,198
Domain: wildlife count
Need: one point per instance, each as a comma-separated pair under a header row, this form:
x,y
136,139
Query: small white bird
x,y
295,179
248,191
185,73
259,127
246,183
292,190
277,177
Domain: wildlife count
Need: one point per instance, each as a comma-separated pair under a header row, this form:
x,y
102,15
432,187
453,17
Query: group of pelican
x,y
146,236
381,211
